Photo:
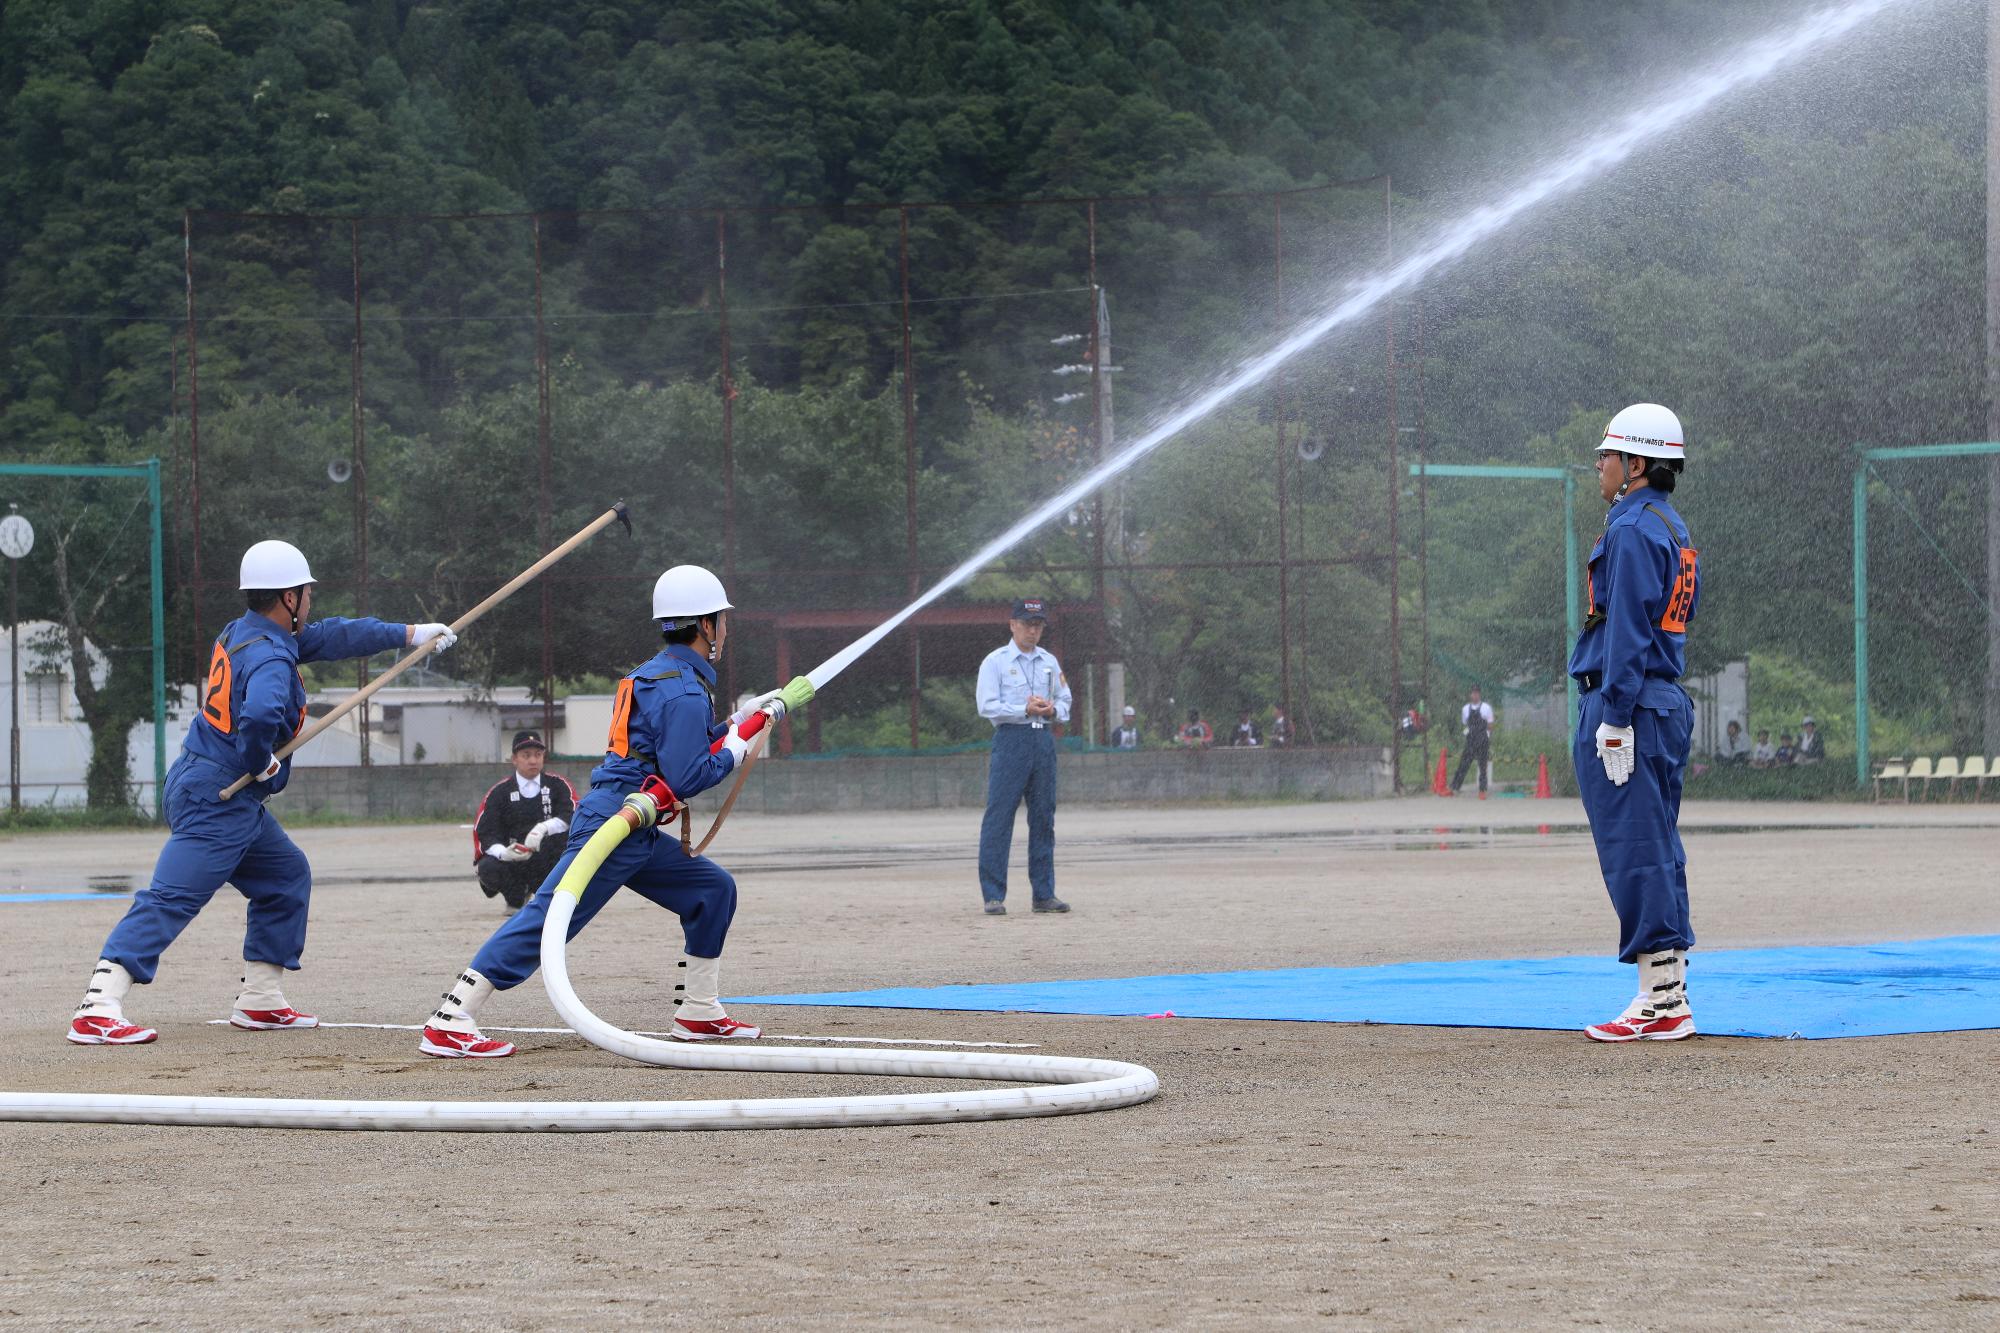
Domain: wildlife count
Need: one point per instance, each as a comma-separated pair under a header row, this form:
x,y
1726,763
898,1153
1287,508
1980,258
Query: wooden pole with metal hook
x,y
616,514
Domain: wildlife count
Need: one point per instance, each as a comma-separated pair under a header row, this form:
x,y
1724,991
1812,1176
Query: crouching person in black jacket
x,y
522,827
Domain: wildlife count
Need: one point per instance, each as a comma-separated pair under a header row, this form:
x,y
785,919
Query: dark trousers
x,y
1476,752
516,881
1023,765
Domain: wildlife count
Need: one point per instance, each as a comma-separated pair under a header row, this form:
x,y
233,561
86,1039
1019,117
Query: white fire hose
x,y
1062,1085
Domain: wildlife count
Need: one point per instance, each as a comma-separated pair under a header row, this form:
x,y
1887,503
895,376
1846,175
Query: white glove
x,y
271,769
737,718
1615,748
423,634
736,746
501,851
541,831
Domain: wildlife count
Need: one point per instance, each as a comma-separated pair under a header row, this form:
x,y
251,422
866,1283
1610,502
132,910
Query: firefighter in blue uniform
x,y
1635,722
253,702
662,730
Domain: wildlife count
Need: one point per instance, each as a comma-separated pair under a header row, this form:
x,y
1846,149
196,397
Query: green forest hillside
x,y
1798,273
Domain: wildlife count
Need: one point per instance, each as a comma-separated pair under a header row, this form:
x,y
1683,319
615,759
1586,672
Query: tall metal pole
x,y
194,445
1991,743
360,465
14,653
542,507
157,559
1395,491
909,469
1284,473
1861,622
1102,432
728,432
1100,374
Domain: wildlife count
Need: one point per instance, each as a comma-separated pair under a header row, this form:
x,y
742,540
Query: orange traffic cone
x,y
1542,792
1439,785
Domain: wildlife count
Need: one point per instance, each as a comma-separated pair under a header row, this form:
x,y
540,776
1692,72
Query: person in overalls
x,y
1021,692
663,728
253,702
1635,723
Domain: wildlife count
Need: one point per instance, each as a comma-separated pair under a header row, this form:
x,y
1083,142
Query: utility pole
x,y
1991,741
1098,366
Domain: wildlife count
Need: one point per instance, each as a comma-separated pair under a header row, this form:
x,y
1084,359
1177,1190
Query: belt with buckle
x,y
1590,680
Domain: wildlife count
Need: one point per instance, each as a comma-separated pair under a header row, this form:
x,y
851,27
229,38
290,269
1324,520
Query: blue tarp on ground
x,y
1871,990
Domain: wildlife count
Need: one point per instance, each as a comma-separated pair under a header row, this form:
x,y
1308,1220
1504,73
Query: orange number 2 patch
x,y
1680,602
215,695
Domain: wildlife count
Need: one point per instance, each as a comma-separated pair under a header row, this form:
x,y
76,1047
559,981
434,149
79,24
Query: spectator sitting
x,y
1812,746
1762,756
1281,728
1786,754
522,828
1197,733
1735,747
1246,732
1127,735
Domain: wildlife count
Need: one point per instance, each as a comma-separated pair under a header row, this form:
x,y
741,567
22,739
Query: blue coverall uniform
x,y
253,702
1023,764
1645,584
662,723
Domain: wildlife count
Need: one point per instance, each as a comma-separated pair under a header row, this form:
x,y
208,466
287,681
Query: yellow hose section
x,y
639,812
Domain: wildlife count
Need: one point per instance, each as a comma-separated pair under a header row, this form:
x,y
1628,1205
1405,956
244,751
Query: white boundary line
x,y
768,1036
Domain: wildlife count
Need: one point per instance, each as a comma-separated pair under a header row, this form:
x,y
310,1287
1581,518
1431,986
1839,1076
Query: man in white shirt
x,y
1022,693
1475,721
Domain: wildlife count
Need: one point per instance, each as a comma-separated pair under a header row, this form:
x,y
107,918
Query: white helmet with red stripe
x,y
1645,430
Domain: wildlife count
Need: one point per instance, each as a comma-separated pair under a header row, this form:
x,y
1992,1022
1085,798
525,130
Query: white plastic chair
x,y
1974,771
1947,768
1893,771
1920,769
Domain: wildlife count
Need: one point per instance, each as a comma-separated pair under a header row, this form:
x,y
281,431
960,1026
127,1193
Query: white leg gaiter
x,y
459,1009
262,987
697,994
106,993
1663,983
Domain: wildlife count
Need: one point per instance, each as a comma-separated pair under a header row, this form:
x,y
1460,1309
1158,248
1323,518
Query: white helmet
x,y
687,593
274,564
1645,430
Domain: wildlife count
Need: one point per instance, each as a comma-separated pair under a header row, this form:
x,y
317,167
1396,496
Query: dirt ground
x,y
1288,1173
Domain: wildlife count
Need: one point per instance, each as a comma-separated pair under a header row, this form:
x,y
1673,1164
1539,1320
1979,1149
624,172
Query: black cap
x,y
528,740
1030,608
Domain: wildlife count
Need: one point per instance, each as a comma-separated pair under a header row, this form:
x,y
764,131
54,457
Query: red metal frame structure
x,y
789,623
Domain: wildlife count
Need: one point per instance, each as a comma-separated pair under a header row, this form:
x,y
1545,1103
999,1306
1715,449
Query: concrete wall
x,y
451,791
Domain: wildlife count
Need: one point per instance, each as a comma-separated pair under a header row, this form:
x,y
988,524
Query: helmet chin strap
x,y
1625,467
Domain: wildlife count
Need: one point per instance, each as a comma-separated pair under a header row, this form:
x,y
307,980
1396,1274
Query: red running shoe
x,y
1658,1027
104,1030
449,1045
720,1029
270,1020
